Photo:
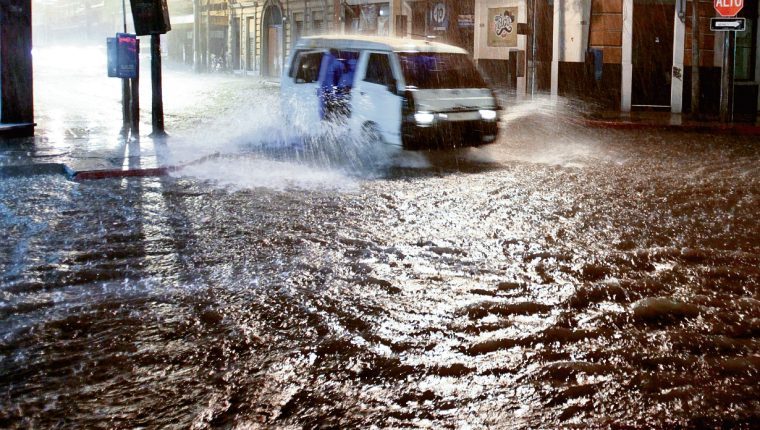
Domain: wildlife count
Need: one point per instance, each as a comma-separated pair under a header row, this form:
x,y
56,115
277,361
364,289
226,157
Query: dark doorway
x,y
272,55
652,52
544,38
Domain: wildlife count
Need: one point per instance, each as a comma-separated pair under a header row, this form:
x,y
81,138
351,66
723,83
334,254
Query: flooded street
x,y
561,277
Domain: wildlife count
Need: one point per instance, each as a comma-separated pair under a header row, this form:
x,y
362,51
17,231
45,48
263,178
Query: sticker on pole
x,y
728,8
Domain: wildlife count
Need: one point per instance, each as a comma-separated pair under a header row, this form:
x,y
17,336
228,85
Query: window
x,y
430,70
298,27
306,67
379,70
317,22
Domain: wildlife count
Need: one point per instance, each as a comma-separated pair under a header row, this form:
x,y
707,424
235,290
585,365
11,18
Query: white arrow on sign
x,y
728,24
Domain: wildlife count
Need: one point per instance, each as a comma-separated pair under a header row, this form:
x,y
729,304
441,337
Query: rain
x,y
256,272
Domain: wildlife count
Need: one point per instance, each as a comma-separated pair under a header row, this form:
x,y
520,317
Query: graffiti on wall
x,y
502,27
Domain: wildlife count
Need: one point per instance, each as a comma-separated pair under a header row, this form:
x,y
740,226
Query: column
x,y
395,10
196,36
16,76
627,78
556,54
676,83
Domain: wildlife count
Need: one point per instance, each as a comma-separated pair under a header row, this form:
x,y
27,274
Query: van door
x,y
374,96
301,95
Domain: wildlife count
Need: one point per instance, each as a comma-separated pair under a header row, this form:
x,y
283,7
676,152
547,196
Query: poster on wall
x,y
439,16
502,27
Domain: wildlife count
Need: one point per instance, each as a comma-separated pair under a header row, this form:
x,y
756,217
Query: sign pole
x,y
151,17
727,9
158,102
727,78
125,102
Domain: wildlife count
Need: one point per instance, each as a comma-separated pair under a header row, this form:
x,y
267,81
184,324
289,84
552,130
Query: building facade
x,y
258,35
624,54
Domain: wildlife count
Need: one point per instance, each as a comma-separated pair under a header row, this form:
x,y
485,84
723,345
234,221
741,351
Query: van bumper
x,y
448,134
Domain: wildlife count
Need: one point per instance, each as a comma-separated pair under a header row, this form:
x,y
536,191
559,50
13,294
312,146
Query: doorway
x,y
250,50
272,55
652,53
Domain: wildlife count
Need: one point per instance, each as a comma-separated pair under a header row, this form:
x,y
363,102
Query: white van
x,y
411,93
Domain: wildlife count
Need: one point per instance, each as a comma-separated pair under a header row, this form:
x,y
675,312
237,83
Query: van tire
x,y
371,133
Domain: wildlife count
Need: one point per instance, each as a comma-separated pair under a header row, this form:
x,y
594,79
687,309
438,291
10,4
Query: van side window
x,y
307,67
379,69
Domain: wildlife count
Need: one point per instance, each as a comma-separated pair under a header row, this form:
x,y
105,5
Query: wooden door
x,y
652,52
274,51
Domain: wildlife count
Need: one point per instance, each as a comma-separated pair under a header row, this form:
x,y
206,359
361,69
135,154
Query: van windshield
x,y
433,70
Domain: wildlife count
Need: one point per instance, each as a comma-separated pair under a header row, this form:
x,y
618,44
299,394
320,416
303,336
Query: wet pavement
x,y
561,277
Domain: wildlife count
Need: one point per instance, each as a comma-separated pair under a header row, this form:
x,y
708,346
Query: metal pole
x,y
124,82
158,103
727,78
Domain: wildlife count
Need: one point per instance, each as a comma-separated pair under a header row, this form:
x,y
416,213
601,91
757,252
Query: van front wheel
x,y
371,133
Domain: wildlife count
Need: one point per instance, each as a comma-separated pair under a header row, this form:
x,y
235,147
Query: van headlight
x,y
487,114
424,118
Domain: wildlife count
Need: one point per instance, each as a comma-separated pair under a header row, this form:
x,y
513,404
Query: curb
x,y
155,172
131,173
34,170
733,129
28,170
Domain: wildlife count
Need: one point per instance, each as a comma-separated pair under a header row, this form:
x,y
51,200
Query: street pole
x,y
125,83
727,78
158,103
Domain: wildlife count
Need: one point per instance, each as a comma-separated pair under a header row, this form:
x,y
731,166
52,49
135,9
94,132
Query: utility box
x,y
123,53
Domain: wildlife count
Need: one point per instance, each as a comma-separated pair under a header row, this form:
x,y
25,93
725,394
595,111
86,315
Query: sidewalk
x,y
668,122
79,124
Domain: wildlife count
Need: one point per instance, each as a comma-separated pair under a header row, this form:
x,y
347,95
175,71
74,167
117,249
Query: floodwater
x,y
560,277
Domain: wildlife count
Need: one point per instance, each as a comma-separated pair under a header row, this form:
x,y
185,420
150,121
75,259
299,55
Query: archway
x,y
272,41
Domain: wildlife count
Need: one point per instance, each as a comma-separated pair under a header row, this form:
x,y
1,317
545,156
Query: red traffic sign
x,y
728,7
